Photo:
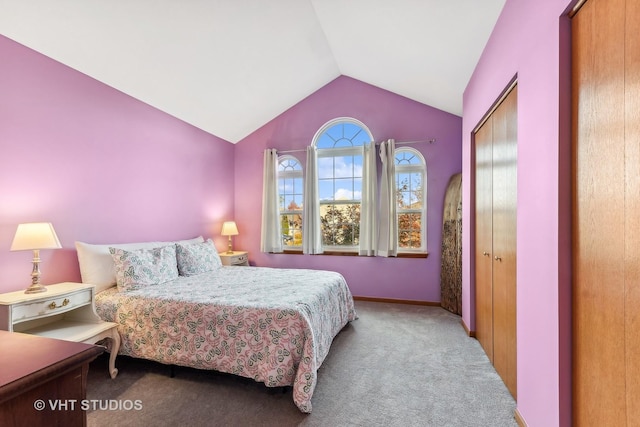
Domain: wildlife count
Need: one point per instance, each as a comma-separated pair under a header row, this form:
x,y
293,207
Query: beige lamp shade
x,y
35,235
229,228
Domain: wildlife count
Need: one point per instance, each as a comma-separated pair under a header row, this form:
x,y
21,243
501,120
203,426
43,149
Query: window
x,y
411,174
290,195
339,145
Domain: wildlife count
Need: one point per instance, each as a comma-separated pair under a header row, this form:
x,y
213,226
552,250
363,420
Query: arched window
x,y
290,195
411,196
339,145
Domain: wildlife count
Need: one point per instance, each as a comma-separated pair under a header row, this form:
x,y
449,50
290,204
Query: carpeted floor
x,y
396,365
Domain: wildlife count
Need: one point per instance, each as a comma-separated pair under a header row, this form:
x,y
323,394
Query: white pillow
x,y
96,264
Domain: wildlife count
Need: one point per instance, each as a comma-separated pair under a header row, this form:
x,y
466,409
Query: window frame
x,y
412,168
333,152
292,174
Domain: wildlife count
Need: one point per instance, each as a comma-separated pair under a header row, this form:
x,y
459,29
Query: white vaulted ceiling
x,y
230,66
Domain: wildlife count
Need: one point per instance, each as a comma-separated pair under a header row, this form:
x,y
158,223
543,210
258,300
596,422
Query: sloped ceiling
x,y
230,66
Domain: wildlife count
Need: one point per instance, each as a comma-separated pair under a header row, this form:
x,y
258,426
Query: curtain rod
x,y
430,141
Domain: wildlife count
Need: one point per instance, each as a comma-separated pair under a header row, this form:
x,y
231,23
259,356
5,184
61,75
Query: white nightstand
x,y
66,311
237,258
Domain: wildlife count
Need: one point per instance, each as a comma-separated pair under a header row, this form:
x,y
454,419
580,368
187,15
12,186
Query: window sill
x,y
344,253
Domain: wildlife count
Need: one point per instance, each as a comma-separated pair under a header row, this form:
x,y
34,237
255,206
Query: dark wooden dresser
x,y
43,380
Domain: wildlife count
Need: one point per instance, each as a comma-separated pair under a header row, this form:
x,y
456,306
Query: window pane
x,y
409,231
298,186
357,189
407,158
343,135
289,204
416,179
416,204
325,141
404,240
288,185
416,190
298,200
325,167
350,130
335,132
291,229
340,224
409,240
403,181
361,138
343,166
404,199
343,142
344,189
357,166
325,188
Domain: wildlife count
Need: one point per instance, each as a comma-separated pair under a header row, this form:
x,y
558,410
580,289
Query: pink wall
x,y
104,167
388,116
98,164
531,40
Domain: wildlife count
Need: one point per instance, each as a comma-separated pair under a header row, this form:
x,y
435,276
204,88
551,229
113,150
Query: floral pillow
x,y
196,258
138,268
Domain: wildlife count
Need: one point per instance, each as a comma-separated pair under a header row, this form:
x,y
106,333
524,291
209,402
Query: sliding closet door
x,y
504,238
606,214
484,237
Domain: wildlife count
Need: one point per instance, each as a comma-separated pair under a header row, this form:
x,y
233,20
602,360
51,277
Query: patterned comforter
x,y
273,325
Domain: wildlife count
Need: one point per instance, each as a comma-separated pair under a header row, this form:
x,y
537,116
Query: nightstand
x,y
237,258
66,312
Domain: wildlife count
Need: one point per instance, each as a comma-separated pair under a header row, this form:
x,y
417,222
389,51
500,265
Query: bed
x,y
273,325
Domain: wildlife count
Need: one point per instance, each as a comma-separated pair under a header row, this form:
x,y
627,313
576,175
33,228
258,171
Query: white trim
x,y
414,168
336,121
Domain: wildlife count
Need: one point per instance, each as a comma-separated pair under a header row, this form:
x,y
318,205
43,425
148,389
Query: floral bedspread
x,y
273,325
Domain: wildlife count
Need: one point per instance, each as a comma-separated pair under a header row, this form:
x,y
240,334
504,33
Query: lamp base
x,y
35,289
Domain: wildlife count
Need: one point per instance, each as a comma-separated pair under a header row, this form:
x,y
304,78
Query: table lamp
x,y
229,228
34,236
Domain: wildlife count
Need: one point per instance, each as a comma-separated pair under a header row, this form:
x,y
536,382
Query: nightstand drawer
x,y
50,306
235,258
240,259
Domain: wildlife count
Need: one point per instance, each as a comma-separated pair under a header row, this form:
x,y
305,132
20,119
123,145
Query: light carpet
x,y
396,365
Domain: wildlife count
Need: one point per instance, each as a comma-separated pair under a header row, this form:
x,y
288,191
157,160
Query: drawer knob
x,y
54,305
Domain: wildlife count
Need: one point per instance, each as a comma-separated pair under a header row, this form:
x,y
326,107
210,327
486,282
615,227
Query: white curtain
x,y
271,234
369,207
311,232
388,237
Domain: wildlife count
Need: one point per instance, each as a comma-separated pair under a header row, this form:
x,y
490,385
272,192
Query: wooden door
x,y
606,213
484,237
495,250
505,139
632,209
